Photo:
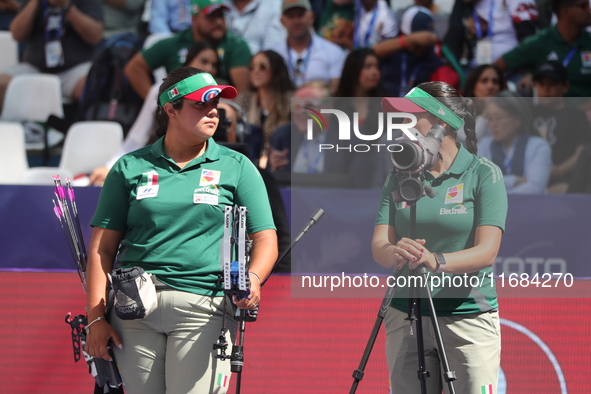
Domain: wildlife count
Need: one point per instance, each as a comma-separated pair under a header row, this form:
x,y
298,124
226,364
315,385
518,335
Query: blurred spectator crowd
x,y
525,63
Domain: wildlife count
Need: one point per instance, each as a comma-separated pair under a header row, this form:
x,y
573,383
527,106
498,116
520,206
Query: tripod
x,y
414,315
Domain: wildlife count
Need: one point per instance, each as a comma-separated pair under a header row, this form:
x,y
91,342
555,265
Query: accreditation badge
x,y
54,53
484,51
202,198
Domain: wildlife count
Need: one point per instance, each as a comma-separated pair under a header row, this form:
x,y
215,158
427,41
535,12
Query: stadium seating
x,y
88,145
13,157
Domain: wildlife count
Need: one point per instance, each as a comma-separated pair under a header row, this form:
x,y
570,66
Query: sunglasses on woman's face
x,y
260,66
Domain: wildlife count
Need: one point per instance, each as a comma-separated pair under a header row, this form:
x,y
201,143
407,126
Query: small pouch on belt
x,y
135,293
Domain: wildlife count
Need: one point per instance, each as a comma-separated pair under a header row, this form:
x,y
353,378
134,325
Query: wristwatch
x,y
440,262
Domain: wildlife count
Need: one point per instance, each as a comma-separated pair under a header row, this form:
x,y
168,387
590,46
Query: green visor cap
x,y
199,87
417,100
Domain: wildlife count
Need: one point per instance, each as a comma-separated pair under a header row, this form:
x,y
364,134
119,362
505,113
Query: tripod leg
x,y
448,375
416,317
359,372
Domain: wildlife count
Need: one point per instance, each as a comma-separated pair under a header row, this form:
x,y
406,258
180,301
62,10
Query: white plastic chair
x,y
33,97
9,51
160,72
13,156
88,145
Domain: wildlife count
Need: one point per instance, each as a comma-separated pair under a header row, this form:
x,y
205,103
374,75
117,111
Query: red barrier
x,y
298,345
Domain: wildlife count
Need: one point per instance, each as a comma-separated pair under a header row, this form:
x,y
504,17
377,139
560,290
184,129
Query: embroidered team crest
x,y
209,177
586,58
455,194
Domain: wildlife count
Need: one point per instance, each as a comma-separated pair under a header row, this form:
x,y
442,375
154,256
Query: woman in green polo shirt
x,y
458,234
161,208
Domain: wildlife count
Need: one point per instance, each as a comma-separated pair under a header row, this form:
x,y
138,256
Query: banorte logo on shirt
x,y
208,191
454,195
209,177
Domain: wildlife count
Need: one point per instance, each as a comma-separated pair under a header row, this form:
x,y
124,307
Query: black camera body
x,y
412,160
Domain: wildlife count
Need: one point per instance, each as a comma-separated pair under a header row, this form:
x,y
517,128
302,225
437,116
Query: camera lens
x,y
410,189
409,158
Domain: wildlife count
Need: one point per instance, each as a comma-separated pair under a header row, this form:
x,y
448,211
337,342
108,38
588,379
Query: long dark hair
x,y
474,76
173,77
196,49
516,106
280,81
461,106
349,81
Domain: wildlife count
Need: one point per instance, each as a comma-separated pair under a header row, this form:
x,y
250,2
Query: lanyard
x,y
490,21
404,83
299,79
569,56
46,16
356,43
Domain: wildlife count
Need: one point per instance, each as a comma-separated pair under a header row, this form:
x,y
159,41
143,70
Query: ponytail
x,y
465,108
470,125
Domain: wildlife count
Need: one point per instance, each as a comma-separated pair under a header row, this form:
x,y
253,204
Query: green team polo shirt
x,y
172,218
470,193
171,52
548,44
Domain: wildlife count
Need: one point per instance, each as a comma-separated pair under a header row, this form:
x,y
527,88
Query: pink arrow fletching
x,y
61,193
71,193
58,211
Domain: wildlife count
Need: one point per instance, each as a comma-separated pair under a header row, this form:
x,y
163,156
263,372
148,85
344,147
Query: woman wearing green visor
x,y
161,209
458,232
